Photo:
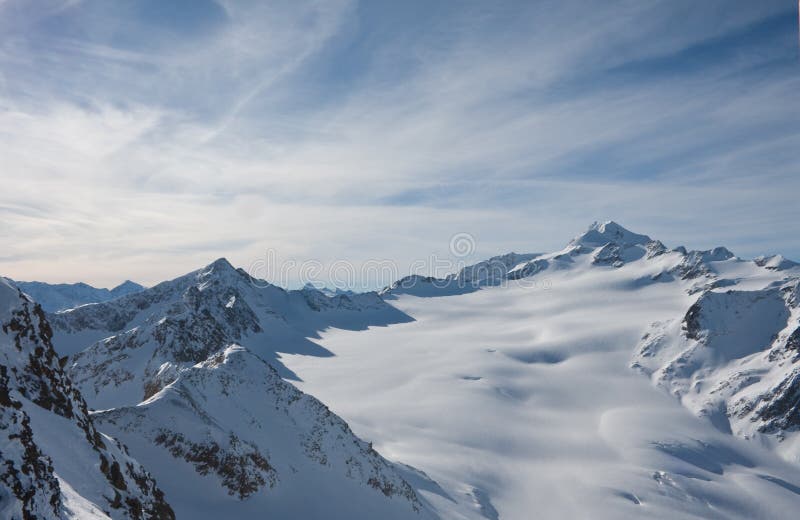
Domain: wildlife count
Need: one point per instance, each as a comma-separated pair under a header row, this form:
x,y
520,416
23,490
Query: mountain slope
x,y
183,374
605,244
150,336
735,357
517,396
508,382
55,462
256,443
57,297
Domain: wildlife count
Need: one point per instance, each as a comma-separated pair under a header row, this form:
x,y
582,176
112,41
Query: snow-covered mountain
x,y
734,357
240,441
512,387
57,297
126,350
181,374
605,244
55,463
614,378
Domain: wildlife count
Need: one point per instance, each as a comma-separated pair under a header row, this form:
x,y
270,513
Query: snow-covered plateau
x,y
616,378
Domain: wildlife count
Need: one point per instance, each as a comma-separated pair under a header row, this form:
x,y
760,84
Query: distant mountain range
x,y
62,296
542,385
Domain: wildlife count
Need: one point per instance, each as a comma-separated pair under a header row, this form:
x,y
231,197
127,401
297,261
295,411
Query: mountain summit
x,y
609,232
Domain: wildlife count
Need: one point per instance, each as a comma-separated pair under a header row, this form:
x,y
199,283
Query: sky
x,y
143,139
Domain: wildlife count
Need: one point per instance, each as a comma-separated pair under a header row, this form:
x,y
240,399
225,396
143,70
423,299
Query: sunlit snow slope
x,y
520,401
185,374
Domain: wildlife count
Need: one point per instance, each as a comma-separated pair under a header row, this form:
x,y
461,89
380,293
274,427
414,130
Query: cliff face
x,y
54,459
733,357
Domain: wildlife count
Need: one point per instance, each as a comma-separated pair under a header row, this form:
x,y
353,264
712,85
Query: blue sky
x,y
143,139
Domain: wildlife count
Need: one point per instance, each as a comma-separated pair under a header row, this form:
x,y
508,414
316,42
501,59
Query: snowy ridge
x,y
151,336
303,310
735,358
775,262
183,367
235,420
57,297
607,244
55,462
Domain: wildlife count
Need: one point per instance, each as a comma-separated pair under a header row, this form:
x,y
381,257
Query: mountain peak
x,y
774,262
9,298
608,232
127,284
126,287
221,264
219,268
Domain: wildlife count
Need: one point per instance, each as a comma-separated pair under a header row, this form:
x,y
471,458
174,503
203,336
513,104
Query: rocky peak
x,y
775,262
698,263
221,271
493,270
126,287
609,232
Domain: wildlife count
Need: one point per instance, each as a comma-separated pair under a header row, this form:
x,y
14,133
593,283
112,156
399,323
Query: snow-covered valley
x,y
520,401
354,260
616,378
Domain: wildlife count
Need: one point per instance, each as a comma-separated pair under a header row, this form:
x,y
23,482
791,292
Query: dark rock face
x,y
490,272
242,469
529,269
691,322
26,473
244,456
42,380
793,342
774,263
609,254
696,264
655,248
745,346
780,409
31,374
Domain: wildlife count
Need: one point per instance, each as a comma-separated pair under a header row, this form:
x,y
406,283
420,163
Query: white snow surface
x,y
519,400
508,386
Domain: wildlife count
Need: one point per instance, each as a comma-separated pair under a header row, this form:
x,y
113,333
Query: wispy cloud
x,y
139,143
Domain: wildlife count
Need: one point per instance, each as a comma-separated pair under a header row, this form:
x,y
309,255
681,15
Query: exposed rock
x,y
234,417
734,358
34,386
